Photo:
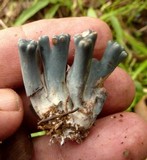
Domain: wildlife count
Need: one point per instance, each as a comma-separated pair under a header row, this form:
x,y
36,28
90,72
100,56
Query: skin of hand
x,y
114,132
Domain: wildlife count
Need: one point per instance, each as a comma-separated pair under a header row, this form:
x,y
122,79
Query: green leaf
x,y
28,13
138,46
37,134
52,11
141,68
117,28
91,13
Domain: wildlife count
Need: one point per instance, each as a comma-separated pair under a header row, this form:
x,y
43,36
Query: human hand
x,y
124,130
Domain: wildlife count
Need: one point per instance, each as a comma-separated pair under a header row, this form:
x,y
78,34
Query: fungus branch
x,y
67,101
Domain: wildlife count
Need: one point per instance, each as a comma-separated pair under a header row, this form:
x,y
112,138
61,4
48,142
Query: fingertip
x,y
121,91
11,112
122,133
113,134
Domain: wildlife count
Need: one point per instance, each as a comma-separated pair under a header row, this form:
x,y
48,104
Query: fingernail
x,y
9,100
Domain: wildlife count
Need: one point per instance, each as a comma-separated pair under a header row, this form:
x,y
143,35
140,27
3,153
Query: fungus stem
x,y
54,61
79,71
29,66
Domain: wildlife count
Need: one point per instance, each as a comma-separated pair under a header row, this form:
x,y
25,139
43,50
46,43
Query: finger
x,y
120,92
30,118
110,135
18,146
10,66
11,112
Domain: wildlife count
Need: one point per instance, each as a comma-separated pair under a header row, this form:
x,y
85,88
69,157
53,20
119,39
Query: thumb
x,y
11,112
